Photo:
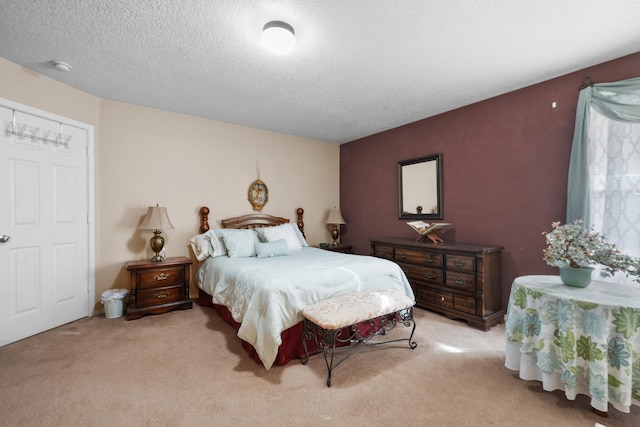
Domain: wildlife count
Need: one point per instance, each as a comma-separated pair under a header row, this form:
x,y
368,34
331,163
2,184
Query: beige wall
x,y
145,156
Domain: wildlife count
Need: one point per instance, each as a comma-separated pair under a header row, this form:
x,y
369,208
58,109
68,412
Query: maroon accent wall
x,y
505,170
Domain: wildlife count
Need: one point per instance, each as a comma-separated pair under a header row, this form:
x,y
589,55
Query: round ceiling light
x,y
61,66
278,37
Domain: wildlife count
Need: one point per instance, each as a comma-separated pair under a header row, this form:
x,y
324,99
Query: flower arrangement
x,y
577,246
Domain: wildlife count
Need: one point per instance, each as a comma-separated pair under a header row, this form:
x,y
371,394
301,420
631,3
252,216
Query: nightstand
x,y
158,287
345,249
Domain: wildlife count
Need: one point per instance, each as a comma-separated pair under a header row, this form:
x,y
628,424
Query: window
x,y
604,175
614,190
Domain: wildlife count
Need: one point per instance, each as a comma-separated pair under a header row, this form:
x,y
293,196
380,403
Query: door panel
x,y
25,280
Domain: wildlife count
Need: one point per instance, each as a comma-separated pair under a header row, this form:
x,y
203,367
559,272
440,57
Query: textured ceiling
x,y
359,67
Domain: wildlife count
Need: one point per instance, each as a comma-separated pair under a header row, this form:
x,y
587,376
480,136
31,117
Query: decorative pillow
x,y
298,233
239,243
201,246
215,237
281,232
271,249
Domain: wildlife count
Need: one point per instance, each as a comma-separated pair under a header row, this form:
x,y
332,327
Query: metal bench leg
x,y
329,342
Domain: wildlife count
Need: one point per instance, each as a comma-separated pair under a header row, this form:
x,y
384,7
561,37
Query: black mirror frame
x,y
440,190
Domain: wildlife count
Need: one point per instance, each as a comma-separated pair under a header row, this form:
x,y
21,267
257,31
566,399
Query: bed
x,y
262,293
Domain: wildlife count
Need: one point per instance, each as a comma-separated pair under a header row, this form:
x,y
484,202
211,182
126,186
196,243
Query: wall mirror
x,y
420,188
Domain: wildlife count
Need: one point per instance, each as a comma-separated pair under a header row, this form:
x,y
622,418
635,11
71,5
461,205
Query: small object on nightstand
x,y
158,287
345,249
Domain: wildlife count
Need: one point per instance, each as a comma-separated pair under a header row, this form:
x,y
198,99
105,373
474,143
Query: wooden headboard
x,y
250,220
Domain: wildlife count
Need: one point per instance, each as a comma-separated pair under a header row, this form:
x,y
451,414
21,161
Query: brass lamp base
x,y
157,243
335,234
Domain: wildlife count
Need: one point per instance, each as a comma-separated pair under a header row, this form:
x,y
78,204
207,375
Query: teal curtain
x,y
617,101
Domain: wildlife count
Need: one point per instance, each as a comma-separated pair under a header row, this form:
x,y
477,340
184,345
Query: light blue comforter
x,y
268,295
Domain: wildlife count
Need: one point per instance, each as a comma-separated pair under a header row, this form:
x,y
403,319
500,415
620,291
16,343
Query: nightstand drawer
x,y
161,295
428,259
161,276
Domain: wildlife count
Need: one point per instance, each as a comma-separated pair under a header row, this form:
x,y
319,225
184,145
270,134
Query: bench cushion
x,y
355,307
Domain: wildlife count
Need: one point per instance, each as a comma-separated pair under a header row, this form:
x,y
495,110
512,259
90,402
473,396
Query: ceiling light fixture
x,y
61,66
278,37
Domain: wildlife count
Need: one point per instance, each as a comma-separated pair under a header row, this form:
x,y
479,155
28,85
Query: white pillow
x,y
239,243
282,232
215,237
201,246
298,233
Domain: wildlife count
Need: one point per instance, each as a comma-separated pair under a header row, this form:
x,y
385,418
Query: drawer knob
x,y
162,276
430,276
161,295
459,282
442,298
429,259
458,263
402,256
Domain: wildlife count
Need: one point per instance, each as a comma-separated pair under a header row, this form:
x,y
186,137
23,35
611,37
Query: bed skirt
x,y
290,349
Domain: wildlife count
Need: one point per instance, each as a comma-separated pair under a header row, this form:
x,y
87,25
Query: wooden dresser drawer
x,y
461,263
423,274
161,295
424,294
444,299
161,276
428,259
382,251
464,303
462,281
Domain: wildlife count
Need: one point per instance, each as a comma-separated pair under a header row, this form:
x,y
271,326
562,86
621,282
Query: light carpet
x,y
187,368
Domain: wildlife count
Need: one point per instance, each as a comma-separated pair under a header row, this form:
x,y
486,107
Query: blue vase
x,y
576,277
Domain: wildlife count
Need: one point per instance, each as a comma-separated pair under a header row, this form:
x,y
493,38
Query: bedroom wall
x,y
149,156
145,156
505,170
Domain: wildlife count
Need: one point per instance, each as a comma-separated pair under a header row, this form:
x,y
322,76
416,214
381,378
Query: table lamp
x,y
157,220
335,220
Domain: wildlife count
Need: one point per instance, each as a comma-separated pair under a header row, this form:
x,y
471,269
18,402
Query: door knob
x,y
4,238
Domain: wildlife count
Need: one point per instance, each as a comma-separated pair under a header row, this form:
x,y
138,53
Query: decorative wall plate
x,y
258,194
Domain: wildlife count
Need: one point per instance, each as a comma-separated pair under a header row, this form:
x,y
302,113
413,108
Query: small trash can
x,y
113,301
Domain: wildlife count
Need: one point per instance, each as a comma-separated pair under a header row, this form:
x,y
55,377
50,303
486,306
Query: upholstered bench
x,y
354,318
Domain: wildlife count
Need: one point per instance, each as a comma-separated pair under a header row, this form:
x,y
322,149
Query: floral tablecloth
x,y
580,340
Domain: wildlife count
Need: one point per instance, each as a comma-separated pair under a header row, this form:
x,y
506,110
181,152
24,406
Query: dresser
x,y
459,281
158,287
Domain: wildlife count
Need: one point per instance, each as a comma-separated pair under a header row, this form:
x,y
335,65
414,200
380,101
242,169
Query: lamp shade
x,y
156,219
335,217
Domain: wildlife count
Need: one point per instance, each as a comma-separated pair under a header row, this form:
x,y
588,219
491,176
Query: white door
x,y
44,223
